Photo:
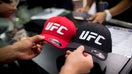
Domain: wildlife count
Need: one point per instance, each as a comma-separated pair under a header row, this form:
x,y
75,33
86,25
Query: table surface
x,y
50,57
119,61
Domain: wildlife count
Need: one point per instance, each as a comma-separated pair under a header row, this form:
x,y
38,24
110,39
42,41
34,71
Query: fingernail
x,y
82,47
42,36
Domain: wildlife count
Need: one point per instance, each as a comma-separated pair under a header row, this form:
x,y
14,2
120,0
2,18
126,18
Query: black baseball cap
x,y
95,37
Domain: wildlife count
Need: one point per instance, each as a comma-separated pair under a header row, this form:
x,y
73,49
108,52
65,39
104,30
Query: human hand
x,y
28,48
77,62
98,17
81,10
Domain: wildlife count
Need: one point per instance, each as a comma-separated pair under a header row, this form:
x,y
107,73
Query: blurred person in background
x,y
22,50
17,58
66,4
119,9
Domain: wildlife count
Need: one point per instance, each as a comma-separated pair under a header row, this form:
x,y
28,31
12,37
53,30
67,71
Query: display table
x,y
50,57
119,61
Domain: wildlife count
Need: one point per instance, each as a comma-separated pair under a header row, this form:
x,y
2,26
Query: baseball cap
x,y
58,31
95,37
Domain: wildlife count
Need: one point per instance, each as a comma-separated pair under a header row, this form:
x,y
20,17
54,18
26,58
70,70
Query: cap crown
x,y
59,30
94,35
96,39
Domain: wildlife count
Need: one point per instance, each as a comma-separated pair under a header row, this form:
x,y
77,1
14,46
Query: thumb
x,y
37,38
80,49
91,18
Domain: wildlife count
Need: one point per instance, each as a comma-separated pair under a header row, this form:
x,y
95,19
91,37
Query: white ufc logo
x,y
87,35
52,26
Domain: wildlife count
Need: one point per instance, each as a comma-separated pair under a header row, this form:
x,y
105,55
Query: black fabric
x,y
95,70
67,4
6,1
3,29
95,37
100,30
130,72
9,68
23,67
60,62
35,26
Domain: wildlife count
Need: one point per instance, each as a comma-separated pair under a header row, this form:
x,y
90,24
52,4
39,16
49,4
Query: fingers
x,y
90,60
95,21
68,52
37,48
91,18
80,49
38,42
79,10
37,38
85,54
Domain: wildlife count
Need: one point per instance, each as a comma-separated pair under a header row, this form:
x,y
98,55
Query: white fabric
x,y
92,10
108,15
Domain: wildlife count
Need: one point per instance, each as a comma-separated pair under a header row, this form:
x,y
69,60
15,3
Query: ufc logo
x,y
55,26
87,35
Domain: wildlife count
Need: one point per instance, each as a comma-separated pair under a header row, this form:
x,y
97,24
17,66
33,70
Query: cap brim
x,y
93,51
57,42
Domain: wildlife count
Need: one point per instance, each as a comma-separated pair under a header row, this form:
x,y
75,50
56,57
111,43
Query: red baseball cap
x,y
58,31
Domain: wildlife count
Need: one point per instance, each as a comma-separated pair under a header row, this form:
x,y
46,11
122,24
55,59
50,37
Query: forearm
x,y
7,54
120,7
68,70
89,3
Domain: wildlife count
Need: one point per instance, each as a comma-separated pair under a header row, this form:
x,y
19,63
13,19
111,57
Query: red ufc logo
x,y
55,26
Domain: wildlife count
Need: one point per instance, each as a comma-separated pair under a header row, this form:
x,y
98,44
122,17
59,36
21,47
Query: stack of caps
x,y
62,33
